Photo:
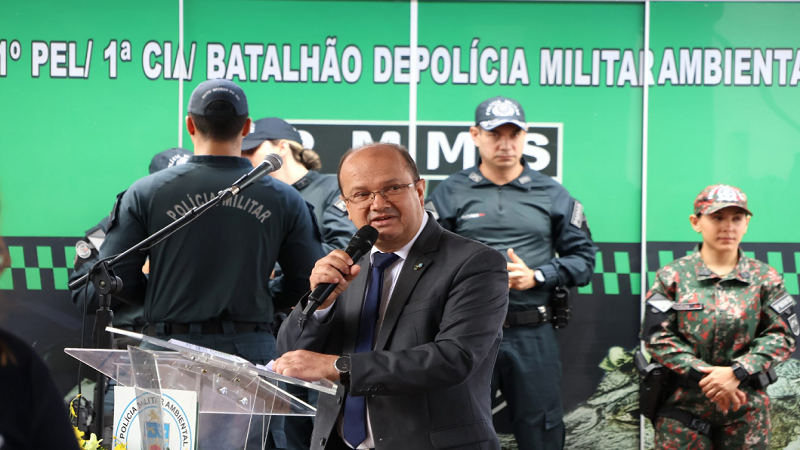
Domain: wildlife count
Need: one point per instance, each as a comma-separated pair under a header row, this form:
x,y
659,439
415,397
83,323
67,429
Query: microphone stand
x,y
106,284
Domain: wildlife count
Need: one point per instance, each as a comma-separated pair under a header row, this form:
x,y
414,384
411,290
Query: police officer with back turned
x,y
209,282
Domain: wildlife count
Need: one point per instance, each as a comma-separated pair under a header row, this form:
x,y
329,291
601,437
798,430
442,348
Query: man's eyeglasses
x,y
387,193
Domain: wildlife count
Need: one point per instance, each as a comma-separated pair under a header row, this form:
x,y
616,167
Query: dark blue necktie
x,y
355,408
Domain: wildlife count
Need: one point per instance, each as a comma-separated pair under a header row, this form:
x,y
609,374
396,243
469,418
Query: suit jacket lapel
x,y
416,265
354,296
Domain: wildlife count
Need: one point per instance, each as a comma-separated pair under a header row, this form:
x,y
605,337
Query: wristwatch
x,y
740,372
342,365
538,275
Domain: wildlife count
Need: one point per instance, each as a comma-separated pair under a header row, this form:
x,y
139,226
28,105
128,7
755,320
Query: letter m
x,y
361,137
437,140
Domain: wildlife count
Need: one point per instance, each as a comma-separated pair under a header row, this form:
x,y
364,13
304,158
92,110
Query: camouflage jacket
x,y
724,319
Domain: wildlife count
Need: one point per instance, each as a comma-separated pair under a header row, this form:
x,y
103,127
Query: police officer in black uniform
x,y
209,283
300,169
533,219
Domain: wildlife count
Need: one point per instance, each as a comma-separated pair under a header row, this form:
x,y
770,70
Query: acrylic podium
x,y
235,398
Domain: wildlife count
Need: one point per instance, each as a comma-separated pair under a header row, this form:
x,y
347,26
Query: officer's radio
x,y
560,306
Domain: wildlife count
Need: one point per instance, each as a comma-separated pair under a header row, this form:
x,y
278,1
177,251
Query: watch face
x,y
342,364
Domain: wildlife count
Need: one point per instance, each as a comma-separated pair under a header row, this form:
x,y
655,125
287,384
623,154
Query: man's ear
x,y
473,133
420,187
246,127
190,126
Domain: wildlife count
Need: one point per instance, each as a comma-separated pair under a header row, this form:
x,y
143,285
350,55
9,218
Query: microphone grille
x,y
274,159
368,234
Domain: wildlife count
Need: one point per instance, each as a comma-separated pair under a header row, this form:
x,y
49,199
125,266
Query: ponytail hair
x,y
305,156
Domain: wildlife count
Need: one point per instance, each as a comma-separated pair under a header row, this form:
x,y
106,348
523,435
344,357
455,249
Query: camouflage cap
x,y
713,198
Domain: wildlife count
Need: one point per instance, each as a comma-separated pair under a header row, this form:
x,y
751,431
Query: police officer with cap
x,y
530,217
719,321
209,282
300,169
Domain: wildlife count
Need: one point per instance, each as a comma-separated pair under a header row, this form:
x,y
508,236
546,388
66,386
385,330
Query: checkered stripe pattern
x,y
38,264
617,271
45,263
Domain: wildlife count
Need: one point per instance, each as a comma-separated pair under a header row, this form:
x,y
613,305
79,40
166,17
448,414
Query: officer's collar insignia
x,y
705,272
476,177
525,180
301,183
340,205
745,274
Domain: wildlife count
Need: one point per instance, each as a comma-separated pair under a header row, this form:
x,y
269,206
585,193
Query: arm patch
x,y
782,304
577,215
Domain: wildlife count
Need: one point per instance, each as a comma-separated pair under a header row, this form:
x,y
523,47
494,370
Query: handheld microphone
x,y
360,244
272,162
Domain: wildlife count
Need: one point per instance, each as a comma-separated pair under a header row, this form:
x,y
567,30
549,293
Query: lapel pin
x,y
418,266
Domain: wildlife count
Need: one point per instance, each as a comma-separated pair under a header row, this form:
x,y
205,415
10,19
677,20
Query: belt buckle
x,y
700,426
543,313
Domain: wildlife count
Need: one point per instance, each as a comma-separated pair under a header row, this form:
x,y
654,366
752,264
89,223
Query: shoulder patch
x,y
340,205
112,218
476,177
577,215
782,304
660,303
83,249
429,206
794,324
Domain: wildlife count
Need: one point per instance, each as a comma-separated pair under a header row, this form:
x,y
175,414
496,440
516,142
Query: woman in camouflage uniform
x,y
719,321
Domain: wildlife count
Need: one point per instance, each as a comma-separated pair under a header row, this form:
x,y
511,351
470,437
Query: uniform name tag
x,y
687,306
782,304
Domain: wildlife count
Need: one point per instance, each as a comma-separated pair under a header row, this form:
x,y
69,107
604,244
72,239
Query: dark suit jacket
x,y
428,380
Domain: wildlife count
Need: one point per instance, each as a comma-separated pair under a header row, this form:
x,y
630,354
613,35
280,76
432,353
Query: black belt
x,y
209,327
539,315
687,419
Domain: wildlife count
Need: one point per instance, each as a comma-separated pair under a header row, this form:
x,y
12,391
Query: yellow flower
x,y
120,446
92,443
79,435
72,414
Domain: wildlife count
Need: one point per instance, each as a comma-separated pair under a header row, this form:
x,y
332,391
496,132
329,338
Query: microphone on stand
x,y
360,244
272,162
